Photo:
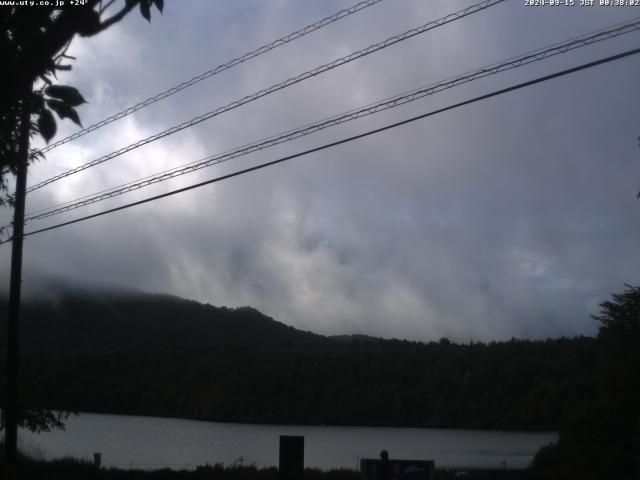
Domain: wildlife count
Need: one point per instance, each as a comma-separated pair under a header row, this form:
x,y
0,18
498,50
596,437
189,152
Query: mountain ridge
x,y
75,320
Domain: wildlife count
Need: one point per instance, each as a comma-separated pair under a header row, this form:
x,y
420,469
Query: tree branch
x,y
104,9
118,16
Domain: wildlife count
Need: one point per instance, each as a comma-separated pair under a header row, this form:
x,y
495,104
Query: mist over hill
x,y
76,320
130,352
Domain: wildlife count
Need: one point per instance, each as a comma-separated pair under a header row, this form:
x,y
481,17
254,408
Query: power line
x,y
220,68
604,33
344,140
279,86
389,103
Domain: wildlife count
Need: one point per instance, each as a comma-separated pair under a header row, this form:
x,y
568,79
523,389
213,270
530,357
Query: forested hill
x,y
135,353
83,320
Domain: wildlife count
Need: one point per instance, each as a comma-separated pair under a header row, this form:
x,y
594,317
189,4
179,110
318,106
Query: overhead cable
x,y
278,86
389,103
214,71
340,142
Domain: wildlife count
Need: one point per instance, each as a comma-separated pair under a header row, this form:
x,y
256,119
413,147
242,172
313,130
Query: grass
x,y
73,469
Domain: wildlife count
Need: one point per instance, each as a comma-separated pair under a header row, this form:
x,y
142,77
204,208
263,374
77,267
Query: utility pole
x,y
13,354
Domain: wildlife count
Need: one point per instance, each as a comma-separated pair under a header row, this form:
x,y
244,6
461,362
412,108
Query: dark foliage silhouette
x,y
33,45
602,440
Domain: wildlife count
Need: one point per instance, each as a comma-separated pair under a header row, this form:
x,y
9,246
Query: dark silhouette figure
x,y
384,468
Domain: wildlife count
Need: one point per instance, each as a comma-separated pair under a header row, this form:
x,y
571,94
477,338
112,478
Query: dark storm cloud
x,y
512,217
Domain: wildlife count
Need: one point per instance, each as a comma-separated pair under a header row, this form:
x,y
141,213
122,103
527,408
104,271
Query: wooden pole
x,y
13,337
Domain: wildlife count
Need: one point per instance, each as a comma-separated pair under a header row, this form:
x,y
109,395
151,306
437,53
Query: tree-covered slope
x,y
159,355
91,321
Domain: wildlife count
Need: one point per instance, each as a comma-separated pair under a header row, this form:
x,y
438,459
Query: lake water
x,y
150,442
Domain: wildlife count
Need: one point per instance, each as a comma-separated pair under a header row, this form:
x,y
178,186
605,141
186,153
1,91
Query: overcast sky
x,y
515,216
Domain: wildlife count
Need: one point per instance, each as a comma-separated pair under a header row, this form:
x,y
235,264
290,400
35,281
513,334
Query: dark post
x,y
291,457
384,469
11,427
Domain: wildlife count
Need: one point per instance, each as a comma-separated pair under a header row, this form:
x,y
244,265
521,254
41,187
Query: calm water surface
x,y
150,442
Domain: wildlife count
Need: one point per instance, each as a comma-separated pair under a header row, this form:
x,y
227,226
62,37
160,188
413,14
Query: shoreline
x,y
312,425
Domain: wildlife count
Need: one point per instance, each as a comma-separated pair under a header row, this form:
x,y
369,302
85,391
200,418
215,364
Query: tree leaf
x,y
88,22
145,9
70,95
37,103
47,125
64,110
159,4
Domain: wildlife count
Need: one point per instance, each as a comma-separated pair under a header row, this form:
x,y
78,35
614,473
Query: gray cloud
x,y
512,217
